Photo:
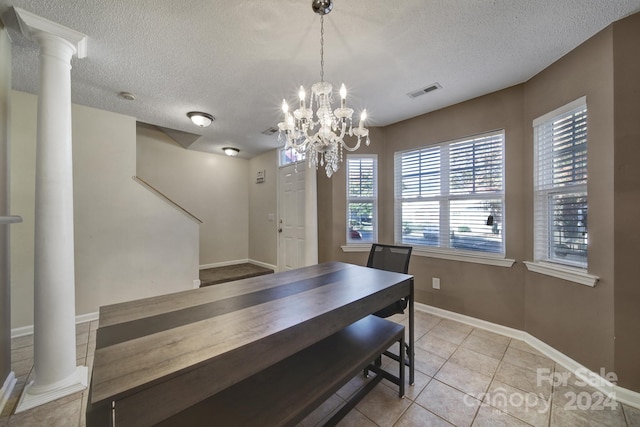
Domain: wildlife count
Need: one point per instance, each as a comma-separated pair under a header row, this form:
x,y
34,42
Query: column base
x,y
7,388
33,396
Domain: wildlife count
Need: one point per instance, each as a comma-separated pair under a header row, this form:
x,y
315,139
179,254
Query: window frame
x,y
444,198
544,189
565,271
357,199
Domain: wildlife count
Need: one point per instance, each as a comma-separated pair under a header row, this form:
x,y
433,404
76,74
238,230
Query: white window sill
x,y
444,254
477,258
361,247
571,274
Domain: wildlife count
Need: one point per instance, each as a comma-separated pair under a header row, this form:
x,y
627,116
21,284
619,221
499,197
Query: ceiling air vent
x,y
269,131
424,90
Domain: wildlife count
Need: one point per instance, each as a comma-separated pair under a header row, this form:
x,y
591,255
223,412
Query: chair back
x,y
390,258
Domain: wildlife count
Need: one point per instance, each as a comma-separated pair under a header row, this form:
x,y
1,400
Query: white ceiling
x,y
237,59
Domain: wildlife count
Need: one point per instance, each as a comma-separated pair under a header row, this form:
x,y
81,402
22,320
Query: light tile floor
x,y
464,376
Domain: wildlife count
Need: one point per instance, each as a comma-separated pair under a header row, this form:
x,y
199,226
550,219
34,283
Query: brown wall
x,y
492,293
575,319
626,204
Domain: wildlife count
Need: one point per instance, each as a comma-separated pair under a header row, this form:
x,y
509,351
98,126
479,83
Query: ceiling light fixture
x,y
230,151
321,140
127,95
200,119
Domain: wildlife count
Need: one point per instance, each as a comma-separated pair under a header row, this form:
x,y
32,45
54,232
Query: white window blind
x,y
560,185
362,194
450,195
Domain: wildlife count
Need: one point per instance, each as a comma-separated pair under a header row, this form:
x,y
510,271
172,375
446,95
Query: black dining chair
x,y
390,258
396,259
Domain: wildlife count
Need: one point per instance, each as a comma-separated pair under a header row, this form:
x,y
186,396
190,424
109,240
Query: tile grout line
x,y
491,382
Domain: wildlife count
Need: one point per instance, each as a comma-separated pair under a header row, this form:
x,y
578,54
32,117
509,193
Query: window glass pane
x,y
476,165
560,186
568,240
361,178
476,225
451,195
360,218
361,199
421,173
421,223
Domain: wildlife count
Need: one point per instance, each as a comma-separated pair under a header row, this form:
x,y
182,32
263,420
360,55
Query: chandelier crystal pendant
x,y
321,139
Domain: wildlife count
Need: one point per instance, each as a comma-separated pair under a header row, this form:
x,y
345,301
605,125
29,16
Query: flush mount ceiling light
x,y
230,151
127,95
200,119
322,139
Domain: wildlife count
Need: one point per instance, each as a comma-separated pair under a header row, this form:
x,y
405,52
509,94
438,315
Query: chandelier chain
x,y
322,48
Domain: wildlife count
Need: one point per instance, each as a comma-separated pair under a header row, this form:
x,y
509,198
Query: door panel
x,y
291,222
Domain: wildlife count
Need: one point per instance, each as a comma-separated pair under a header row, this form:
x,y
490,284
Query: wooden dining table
x,y
157,356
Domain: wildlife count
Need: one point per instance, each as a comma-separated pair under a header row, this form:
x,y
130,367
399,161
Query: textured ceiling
x,y
238,59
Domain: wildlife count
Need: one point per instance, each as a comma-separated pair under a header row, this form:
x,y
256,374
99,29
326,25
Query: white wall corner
x,y
196,283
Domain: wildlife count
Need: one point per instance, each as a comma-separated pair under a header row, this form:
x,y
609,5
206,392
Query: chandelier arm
x,y
354,148
343,129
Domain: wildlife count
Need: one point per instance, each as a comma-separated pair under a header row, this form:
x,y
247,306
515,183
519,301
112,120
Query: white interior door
x,y
291,249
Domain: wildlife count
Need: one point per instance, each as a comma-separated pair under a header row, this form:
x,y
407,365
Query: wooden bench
x,y
285,393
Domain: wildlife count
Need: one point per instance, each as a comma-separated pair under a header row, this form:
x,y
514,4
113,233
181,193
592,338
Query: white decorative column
x,y
7,377
55,370
311,217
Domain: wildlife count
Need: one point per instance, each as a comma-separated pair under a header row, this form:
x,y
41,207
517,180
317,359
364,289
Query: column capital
x,y
31,25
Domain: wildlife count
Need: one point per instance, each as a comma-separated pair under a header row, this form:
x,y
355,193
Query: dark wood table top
x,y
150,352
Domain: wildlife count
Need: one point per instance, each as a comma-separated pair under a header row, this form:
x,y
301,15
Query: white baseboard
x,y
264,264
87,317
472,321
21,331
28,330
224,263
620,394
238,261
6,390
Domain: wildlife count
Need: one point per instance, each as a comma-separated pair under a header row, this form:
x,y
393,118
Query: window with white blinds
x,y
451,195
362,199
560,185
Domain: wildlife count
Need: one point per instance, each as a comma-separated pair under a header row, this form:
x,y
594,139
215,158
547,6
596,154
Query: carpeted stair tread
x,y
229,273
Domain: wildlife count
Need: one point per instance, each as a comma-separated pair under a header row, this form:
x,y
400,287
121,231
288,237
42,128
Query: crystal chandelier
x,y
322,139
